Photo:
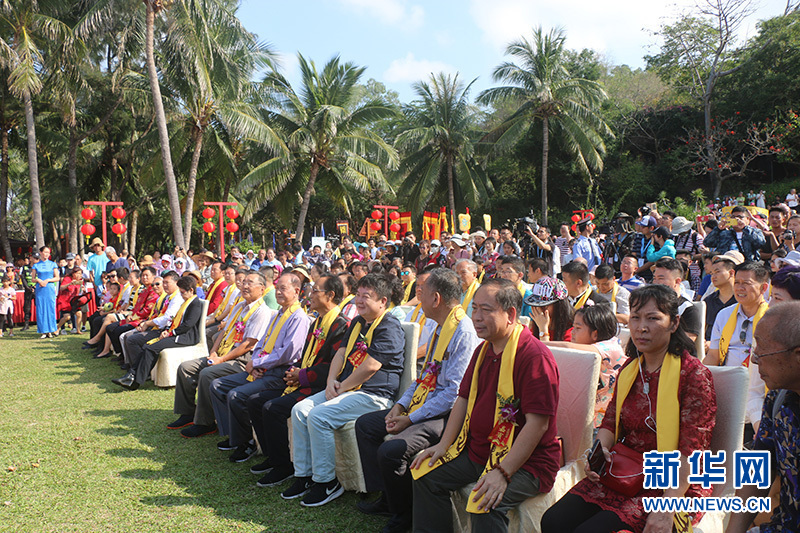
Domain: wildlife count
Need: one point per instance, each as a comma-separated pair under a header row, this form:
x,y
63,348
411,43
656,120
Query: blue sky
x,y
401,41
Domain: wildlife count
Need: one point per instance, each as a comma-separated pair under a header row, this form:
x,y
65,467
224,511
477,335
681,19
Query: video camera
x,y
519,225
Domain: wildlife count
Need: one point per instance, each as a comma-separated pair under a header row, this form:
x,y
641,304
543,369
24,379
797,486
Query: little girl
x,y
7,297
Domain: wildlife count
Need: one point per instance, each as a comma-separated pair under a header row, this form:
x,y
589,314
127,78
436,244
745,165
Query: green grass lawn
x,y
80,454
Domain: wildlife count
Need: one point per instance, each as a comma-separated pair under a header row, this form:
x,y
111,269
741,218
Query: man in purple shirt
x,y
272,357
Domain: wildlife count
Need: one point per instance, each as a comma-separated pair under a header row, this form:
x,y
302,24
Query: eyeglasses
x,y
756,357
315,289
405,272
156,284
743,333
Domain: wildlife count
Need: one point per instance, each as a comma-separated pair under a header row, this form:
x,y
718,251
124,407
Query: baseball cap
x,y
734,257
436,242
546,291
69,257
647,221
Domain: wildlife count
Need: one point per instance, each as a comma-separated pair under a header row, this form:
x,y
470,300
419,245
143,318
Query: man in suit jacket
x,y
184,330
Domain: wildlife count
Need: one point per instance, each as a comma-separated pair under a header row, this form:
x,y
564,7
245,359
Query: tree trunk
x,y
198,146
4,182
72,174
545,156
710,154
450,189
33,171
161,124
301,217
133,229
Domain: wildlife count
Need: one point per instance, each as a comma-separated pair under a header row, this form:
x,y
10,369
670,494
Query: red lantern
x,y
88,214
394,228
575,228
375,226
118,213
87,230
576,217
232,213
232,227
394,215
591,216
209,227
118,228
209,213
376,214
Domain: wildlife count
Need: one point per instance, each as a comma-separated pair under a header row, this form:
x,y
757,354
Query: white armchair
x,y
165,373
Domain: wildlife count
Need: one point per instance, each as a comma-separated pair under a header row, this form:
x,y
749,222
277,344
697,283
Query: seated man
x,y
417,420
364,377
723,272
269,410
668,271
230,298
229,355
467,271
217,288
627,268
143,303
183,330
159,307
511,460
777,355
732,335
281,347
609,290
576,279
426,327
151,328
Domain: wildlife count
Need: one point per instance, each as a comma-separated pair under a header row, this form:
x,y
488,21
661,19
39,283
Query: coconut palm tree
x,y
564,105
438,140
26,28
212,83
328,140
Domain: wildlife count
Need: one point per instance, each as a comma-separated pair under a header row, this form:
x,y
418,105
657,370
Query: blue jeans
x,y
313,422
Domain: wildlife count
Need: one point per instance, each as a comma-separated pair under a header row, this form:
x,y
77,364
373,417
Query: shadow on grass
x,y
208,479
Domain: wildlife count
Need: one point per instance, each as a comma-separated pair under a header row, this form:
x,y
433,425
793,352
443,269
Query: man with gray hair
x,y
777,354
417,419
114,260
467,271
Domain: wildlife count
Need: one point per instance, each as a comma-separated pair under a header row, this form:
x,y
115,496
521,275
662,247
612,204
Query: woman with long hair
x,y
663,400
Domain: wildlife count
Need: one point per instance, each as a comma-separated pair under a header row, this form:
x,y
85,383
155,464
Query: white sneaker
x,y
73,331
63,332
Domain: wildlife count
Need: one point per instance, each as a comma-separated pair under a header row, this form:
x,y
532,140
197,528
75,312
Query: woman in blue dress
x,y
45,276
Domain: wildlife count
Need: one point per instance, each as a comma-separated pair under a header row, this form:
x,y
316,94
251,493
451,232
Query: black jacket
x,y
188,331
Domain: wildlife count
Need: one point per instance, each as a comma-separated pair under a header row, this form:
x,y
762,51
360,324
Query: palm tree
x,y
546,91
328,140
210,59
26,28
439,145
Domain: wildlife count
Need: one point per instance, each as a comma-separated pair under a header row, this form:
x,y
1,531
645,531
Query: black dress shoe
x,y
181,422
127,381
399,523
88,346
379,507
198,430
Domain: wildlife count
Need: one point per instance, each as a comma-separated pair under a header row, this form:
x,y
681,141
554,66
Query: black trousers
x,y
26,305
269,413
95,323
385,462
149,356
113,331
573,514
137,343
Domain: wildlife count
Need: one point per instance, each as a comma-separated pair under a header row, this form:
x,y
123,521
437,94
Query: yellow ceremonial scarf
x,y
521,288
419,314
668,408
157,309
407,294
313,347
176,320
213,288
505,389
730,329
163,310
614,292
136,295
225,300
429,378
230,332
120,300
480,277
357,358
582,300
269,289
471,290
274,331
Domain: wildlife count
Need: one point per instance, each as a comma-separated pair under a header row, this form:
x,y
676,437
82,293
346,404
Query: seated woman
x,y
649,418
595,329
551,313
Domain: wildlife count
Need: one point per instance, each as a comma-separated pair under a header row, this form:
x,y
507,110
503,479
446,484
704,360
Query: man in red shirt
x,y
507,470
216,288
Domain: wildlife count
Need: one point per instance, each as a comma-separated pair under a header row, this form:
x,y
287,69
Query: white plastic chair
x,y
348,461
624,335
165,373
579,373
730,386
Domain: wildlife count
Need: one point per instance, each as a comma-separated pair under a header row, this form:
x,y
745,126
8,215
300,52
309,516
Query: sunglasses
x,y
156,284
743,333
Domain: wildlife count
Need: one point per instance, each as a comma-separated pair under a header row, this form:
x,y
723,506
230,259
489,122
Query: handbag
x,y
625,471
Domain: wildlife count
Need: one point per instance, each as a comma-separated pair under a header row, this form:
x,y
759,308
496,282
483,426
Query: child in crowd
x,y
7,297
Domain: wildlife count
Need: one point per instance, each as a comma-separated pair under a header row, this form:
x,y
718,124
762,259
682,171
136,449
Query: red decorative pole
x,y
103,215
385,216
219,206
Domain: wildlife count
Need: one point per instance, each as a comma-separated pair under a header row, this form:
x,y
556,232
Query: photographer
x,y
543,247
621,242
790,239
409,250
